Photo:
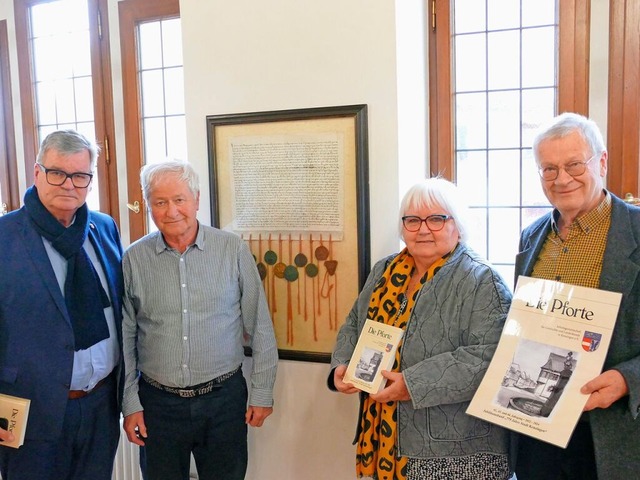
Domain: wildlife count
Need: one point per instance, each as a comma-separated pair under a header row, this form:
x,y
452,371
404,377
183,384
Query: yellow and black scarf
x,y
376,452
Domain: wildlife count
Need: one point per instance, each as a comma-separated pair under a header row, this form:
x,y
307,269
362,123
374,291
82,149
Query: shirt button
x,y
184,311
565,250
184,338
184,285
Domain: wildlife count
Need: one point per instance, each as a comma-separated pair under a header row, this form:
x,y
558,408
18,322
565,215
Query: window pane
x,y
79,49
538,12
46,102
504,234
172,42
538,105
504,60
150,54
174,91
65,105
504,176
532,194
471,121
48,64
154,140
478,230
470,61
472,176
84,99
504,119
469,16
48,18
177,137
503,14
538,70
152,93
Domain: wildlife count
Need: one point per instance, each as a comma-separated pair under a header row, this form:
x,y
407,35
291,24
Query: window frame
x,y
573,75
131,13
102,98
623,115
9,177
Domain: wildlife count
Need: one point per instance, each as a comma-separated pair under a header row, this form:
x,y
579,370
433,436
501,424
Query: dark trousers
x,y
542,461
211,426
85,450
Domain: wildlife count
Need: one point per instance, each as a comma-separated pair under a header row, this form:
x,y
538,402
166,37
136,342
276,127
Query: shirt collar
x,y
199,242
589,220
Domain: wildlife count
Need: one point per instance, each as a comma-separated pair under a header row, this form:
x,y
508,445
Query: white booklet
x,y
374,352
555,340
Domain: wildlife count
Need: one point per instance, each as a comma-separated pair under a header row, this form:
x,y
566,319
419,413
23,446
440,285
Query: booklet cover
x,y
374,352
555,340
14,412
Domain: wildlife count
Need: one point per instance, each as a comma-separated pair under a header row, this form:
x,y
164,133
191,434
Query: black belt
x,y
193,391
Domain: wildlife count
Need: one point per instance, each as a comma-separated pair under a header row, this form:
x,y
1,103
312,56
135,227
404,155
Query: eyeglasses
x,y
575,169
434,223
58,177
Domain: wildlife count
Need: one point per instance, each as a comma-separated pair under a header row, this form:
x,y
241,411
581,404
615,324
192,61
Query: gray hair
x,y
151,172
68,142
567,123
437,192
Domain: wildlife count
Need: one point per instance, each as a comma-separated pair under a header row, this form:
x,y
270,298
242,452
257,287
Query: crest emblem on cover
x,y
591,341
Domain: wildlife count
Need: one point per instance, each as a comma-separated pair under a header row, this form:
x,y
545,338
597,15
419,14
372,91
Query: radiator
x,y
126,465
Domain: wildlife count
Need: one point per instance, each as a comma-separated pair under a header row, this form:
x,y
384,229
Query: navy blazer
x,y
616,430
36,337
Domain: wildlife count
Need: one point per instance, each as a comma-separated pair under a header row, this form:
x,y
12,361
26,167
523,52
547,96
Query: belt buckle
x,y
186,393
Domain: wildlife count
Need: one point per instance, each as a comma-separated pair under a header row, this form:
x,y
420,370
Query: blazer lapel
x,y
32,242
96,241
532,244
619,271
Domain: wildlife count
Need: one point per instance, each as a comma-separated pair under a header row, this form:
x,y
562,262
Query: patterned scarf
x,y
83,293
376,452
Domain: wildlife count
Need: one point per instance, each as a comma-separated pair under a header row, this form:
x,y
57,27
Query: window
x,y
151,42
65,82
495,70
8,176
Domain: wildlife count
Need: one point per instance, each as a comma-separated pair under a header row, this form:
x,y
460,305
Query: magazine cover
x,y
374,352
555,340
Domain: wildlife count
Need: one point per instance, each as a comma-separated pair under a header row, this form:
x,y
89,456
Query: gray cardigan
x,y
449,341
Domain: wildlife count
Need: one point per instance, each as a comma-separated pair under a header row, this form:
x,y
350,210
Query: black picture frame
x,y
294,120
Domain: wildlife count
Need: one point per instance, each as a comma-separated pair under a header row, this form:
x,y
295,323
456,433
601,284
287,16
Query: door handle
x,y
135,207
3,209
629,198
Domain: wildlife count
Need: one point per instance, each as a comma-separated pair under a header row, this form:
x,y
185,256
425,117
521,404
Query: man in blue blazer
x,y
591,238
60,320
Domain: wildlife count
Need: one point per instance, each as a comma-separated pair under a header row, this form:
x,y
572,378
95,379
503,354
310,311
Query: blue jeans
x,y
211,426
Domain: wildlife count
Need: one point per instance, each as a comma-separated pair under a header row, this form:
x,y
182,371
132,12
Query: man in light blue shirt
x,y
193,298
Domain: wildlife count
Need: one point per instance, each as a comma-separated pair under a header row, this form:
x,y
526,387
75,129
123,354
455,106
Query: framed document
x,y
294,185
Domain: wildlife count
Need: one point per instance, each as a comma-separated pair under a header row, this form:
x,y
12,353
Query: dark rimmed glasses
x,y
58,177
575,169
435,223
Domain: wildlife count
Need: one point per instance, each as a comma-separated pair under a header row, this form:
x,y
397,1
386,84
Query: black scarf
x,y
83,293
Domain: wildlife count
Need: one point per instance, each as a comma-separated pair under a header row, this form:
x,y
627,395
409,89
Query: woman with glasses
x,y
451,305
